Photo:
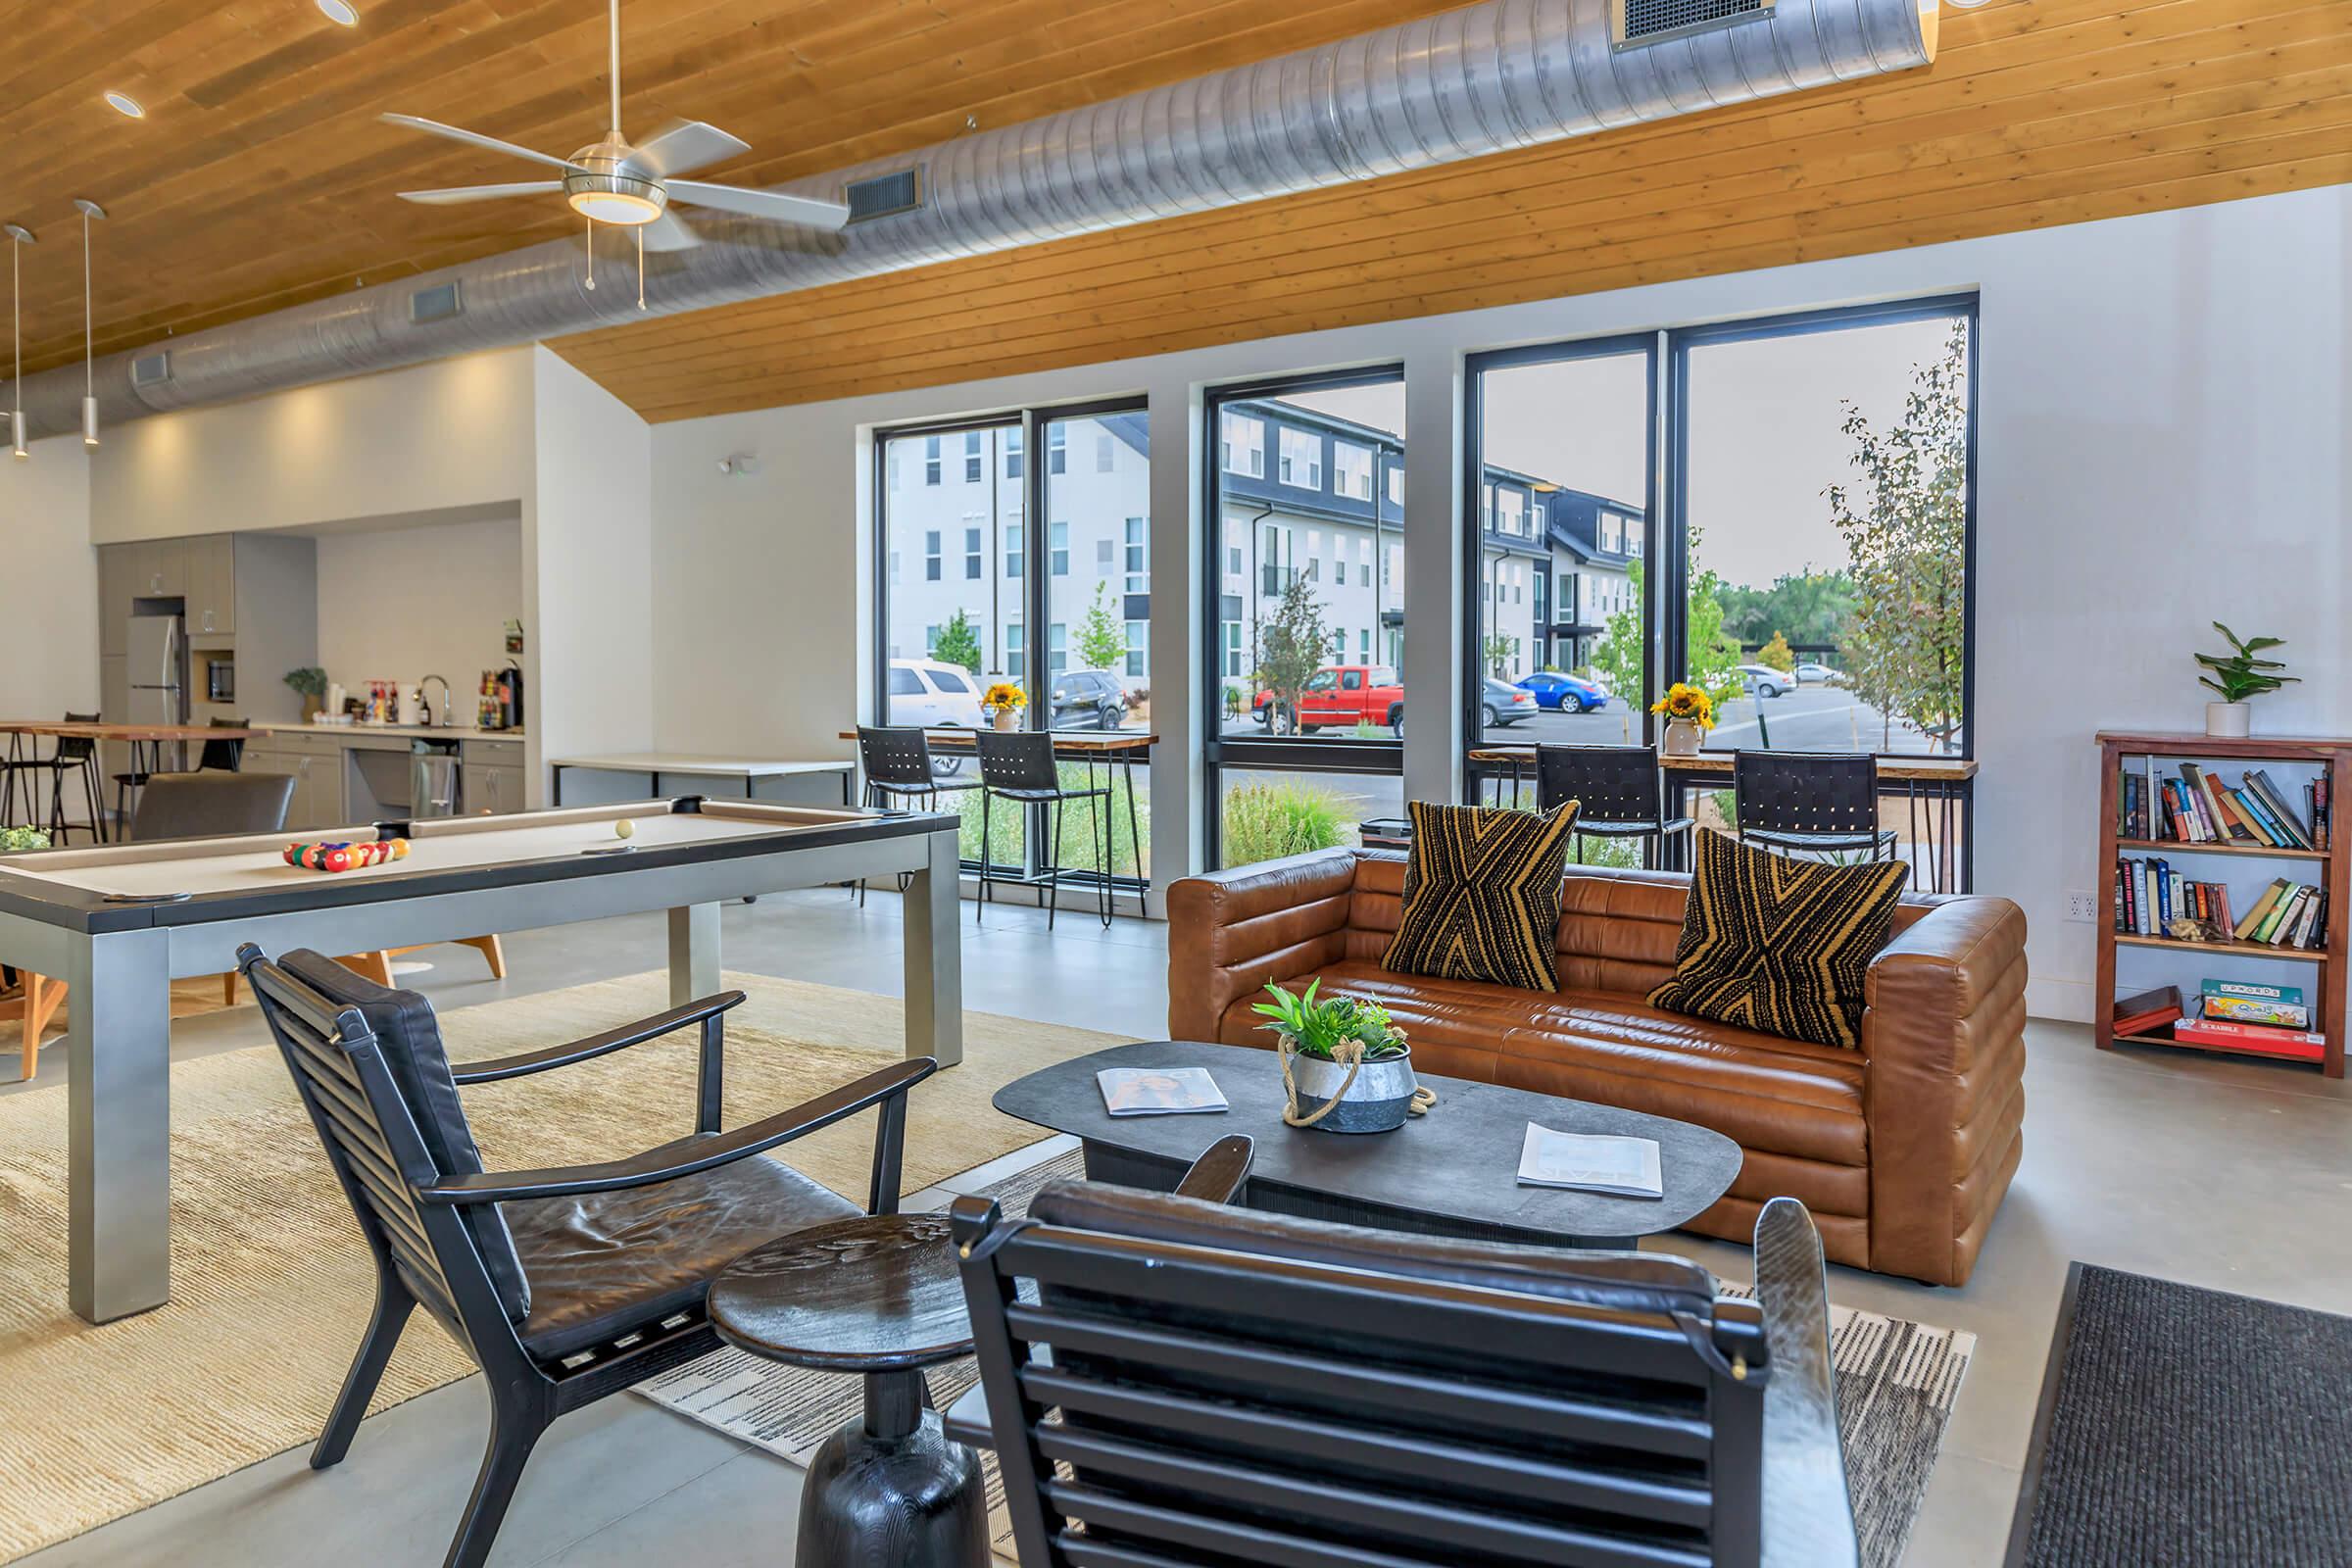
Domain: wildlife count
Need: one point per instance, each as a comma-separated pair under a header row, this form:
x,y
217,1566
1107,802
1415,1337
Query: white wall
x,y
48,584
452,433
588,554
2163,407
397,604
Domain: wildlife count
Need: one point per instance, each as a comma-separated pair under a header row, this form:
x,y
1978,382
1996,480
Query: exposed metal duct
x,y
1483,80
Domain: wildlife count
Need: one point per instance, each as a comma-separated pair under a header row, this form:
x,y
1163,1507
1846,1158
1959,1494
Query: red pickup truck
x,y
1339,696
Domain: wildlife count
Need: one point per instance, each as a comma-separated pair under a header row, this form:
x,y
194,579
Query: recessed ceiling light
x,y
339,12
123,103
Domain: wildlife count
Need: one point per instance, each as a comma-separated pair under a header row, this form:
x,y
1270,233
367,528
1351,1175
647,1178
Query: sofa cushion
x,y
1779,1095
1779,945
1482,894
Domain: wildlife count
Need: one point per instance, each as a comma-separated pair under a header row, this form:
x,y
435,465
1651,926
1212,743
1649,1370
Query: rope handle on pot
x,y
1350,1052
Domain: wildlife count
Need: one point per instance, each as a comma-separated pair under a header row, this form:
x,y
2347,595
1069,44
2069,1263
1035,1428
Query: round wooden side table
x,y
877,1296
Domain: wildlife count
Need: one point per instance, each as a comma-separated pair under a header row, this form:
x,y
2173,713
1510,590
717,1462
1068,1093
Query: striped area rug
x,y
1896,1381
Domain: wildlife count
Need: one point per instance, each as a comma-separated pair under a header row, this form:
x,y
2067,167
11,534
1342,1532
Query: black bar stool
x,y
72,753
897,763
1018,765
224,756
1818,802
1619,790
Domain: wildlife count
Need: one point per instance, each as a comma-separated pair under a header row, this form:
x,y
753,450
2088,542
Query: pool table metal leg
x,y
119,1124
934,956
693,953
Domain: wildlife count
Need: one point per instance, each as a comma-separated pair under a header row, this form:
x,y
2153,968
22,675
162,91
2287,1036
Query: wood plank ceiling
x,y
260,176
2034,114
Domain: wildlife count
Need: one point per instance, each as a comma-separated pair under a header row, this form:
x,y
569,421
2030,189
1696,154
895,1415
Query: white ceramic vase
x,y
2229,721
1682,737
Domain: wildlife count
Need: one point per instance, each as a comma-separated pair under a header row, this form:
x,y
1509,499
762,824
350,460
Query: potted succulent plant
x,y
2237,677
1345,1064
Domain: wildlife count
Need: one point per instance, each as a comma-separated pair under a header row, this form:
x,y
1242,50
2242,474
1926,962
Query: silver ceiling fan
x,y
610,182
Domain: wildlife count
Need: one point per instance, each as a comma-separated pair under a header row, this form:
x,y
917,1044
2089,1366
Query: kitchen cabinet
x,y
159,569
116,565
487,787
212,585
317,799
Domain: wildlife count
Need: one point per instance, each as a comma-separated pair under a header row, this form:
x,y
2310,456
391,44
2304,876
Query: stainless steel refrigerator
x,y
159,672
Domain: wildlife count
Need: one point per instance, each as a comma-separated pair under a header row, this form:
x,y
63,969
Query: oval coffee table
x,y
877,1294
1454,1172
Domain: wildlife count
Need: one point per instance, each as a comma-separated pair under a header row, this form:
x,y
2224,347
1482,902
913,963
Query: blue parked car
x,y
1565,692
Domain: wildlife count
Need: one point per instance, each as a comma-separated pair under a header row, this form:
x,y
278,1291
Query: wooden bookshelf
x,y
2331,755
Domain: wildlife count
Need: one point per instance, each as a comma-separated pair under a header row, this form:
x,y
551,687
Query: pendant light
x,y
18,236
89,387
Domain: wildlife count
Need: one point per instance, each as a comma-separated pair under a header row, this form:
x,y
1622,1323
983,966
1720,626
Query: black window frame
x,y
1220,752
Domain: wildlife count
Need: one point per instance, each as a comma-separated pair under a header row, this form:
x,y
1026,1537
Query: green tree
x,y
1502,653
1811,609
1906,532
958,643
1288,649
1101,639
1710,659
1778,654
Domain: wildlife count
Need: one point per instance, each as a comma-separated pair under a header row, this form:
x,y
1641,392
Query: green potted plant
x,y
2237,677
311,681
1345,1065
16,839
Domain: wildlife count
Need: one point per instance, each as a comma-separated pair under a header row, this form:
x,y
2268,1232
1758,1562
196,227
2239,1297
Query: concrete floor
x,y
2234,1175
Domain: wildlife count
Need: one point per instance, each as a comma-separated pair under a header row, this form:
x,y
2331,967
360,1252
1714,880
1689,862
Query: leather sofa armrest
x,y
1943,1030
1230,932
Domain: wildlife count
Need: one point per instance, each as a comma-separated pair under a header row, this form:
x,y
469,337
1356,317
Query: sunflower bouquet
x,y
1687,702
1004,695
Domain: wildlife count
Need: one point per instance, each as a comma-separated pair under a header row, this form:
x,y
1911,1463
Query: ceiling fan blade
x,y
685,144
668,233
802,209
482,193
434,127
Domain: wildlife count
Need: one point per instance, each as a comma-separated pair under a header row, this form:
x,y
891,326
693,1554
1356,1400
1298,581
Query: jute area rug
x,y
1896,1381
272,1284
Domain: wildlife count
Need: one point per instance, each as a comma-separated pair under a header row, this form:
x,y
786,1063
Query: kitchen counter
x,y
420,732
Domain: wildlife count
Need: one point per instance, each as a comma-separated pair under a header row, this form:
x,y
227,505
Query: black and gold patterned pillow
x,y
1779,945
1482,894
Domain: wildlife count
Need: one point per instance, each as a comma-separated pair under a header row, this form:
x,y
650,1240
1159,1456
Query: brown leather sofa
x,y
1901,1150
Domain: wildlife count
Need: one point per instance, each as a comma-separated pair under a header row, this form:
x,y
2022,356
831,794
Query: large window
x,y
1304,636
974,615
1806,561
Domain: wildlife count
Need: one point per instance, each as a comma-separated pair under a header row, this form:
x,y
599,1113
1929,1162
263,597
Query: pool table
x,y
119,923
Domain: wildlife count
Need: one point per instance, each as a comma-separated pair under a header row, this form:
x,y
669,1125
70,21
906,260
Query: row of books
x,y
2227,1016
2152,900
2198,807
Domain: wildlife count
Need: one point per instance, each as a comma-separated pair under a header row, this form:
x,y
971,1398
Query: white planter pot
x,y
1682,737
2228,720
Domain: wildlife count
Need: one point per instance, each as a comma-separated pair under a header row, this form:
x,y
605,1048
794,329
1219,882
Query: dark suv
x,y
1086,699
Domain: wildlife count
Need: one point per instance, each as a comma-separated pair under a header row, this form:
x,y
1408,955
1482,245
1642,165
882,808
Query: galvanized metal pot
x,y
1377,1102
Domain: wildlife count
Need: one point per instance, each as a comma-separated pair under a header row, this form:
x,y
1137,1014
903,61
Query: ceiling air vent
x,y
1639,22
885,195
149,369
436,304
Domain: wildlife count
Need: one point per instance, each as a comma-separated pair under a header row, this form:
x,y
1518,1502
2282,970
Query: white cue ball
x,y
625,829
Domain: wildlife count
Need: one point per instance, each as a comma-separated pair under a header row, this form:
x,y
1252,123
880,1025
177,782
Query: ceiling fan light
x,y
339,12
617,207
123,104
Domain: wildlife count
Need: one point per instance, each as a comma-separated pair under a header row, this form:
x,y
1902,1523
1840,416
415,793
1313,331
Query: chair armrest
x,y
1943,1034
1808,1512
672,1161
1231,932
1216,1177
593,1045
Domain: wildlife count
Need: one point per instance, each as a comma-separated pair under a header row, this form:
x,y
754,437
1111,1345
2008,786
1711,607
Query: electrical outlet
x,y
2082,907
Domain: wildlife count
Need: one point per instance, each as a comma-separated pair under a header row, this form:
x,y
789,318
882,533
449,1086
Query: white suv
x,y
925,691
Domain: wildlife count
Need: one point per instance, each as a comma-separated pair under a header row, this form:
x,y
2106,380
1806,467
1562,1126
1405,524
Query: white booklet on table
x,y
1590,1162
1159,1090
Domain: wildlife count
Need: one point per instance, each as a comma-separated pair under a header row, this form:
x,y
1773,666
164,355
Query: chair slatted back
x,y
1610,784
1017,759
1197,1387
1782,792
895,758
225,756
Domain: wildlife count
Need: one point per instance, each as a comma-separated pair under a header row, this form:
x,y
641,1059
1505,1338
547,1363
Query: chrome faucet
x,y
444,698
